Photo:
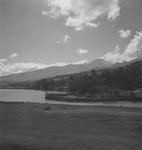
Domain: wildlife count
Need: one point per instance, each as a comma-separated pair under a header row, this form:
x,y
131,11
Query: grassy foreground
x,y
32,127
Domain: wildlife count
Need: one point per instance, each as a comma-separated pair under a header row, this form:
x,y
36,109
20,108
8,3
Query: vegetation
x,y
126,78
31,127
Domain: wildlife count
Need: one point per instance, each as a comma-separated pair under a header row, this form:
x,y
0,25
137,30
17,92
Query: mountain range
x,y
49,72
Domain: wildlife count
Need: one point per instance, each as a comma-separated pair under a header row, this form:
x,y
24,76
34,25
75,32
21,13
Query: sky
x,y
36,34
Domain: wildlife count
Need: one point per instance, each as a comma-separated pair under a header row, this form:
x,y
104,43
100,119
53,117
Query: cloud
x,y
64,39
82,51
81,62
61,64
124,33
83,13
14,55
116,56
135,46
45,13
132,51
2,61
13,68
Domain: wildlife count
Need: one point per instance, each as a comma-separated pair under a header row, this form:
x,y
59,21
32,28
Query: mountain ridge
x,y
98,64
55,71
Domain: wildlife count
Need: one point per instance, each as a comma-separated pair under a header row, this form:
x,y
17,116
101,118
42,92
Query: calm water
x,y
38,97
22,96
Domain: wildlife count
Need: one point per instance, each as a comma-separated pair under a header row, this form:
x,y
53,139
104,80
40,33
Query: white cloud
x,y
135,46
45,13
2,61
81,62
117,49
13,68
82,51
59,64
132,51
82,13
14,55
124,33
116,56
64,39
114,11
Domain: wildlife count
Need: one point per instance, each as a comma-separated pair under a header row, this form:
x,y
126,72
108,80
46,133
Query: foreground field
x,y
34,127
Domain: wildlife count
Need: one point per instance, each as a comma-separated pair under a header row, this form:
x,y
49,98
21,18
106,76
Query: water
x,y
22,96
39,97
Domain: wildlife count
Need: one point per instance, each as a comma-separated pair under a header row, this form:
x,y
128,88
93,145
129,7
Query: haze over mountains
x,y
64,70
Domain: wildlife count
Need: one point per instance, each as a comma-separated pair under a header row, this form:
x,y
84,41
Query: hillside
x,y
126,76
55,71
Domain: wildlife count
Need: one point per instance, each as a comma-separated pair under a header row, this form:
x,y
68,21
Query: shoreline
x,y
34,97
74,98
80,104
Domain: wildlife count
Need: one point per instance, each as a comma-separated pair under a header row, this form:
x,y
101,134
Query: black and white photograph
x,y
70,74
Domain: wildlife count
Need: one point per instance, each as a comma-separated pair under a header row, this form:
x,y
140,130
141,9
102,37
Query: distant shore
x,y
91,99
79,104
69,98
38,97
